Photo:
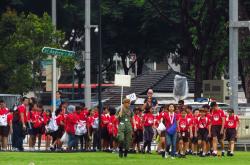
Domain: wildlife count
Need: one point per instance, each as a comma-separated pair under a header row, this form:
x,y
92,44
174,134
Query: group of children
x,y
176,128
188,131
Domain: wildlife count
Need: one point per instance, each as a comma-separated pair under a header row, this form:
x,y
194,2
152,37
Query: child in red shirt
x,y
217,127
138,132
183,129
231,125
105,137
148,123
70,122
113,129
202,131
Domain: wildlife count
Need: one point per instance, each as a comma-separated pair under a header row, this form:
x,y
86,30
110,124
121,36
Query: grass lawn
x,y
28,158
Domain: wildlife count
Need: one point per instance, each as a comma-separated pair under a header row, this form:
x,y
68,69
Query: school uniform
x,y
202,124
216,123
231,125
183,129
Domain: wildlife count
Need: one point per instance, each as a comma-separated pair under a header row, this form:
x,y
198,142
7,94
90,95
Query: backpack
x,y
3,120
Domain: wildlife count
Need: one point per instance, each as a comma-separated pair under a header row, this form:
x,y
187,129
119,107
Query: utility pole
x,y
234,25
87,88
100,71
54,72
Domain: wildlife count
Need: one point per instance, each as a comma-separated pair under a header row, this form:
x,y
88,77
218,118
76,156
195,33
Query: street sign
x,y
57,52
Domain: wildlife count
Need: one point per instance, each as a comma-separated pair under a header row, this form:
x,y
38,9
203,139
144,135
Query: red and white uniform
x,y
202,122
148,120
183,124
113,126
138,122
105,118
36,118
232,121
217,116
5,111
22,109
70,122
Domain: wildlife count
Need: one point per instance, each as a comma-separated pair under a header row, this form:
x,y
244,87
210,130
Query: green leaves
x,y
24,37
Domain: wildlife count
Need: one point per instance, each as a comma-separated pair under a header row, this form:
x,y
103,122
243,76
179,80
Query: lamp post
x,y
234,26
100,71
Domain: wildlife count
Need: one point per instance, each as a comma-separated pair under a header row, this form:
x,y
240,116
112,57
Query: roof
x,y
159,81
166,85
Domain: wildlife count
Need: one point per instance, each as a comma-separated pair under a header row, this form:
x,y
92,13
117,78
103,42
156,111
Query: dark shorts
x,y
37,131
215,131
194,140
184,136
4,131
230,134
105,134
202,134
138,136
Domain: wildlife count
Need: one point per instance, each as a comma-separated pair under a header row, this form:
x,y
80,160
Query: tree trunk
x,y
198,75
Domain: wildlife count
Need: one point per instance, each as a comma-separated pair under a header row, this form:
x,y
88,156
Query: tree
x,y
24,37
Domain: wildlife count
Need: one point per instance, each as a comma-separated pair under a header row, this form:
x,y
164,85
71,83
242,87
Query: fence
x,y
10,99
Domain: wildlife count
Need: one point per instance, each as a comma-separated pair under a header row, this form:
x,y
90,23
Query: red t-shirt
x,y
70,122
9,118
157,120
85,112
90,121
4,111
22,109
105,118
169,119
183,124
232,121
190,119
148,119
60,119
35,118
46,118
202,122
216,117
138,122
113,126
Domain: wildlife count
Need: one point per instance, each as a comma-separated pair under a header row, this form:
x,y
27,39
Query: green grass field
x,y
26,158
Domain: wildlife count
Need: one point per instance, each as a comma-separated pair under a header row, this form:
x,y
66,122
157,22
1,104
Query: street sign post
x,y
57,52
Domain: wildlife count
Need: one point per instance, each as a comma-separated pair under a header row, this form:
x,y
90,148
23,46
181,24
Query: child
x,y
46,119
231,125
202,131
113,129
183,129
148,123
138,133
105,138
194,140
169,120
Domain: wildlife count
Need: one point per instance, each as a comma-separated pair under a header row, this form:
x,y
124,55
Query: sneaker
x,y
125,153
163,154
172,157
222,153
166,155
120,153
231,154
